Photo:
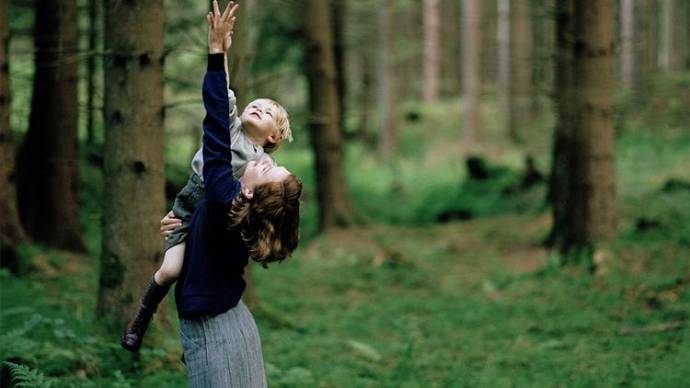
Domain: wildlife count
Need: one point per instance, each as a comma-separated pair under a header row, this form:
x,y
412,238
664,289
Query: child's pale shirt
x,y
242,148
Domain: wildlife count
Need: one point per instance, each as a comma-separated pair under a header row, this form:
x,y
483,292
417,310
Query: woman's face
x,y
258,173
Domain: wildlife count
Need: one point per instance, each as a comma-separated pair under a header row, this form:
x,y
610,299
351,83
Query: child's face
x,y
258,119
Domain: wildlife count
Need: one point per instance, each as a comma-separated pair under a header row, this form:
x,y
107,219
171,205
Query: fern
x,y
23,376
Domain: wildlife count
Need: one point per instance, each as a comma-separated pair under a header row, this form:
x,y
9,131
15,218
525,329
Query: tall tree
x,y
564,95
238,58
543,51
366,59
388,142
133,195
326,137
644,47
451,80
471,76
489,51
11,231
586,202
503,44
94,27
432,49
520,85
627,23
48,169
674,40
338,16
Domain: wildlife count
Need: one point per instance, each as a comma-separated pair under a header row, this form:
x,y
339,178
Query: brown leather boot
x,y
134,333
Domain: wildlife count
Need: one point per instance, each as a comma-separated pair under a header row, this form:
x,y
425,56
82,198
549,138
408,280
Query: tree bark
x,y
133,196
388,142
338,13
590,212
451,63
564,96
471,76
520,85
644,48
11,231
627,23
238,59
91,70
48,169
504,74
542,53
489,50
326,137
368,61
673,36
431,49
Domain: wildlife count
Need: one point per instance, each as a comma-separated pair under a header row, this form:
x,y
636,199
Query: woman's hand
x,y
220,27
169,223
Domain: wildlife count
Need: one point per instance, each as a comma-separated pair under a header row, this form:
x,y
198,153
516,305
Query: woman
x,y
255,217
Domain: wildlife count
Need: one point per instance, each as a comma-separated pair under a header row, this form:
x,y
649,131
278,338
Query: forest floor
x,y
405,300
477,303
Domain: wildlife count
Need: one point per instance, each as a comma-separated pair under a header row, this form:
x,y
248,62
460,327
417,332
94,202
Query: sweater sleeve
x,y
220,184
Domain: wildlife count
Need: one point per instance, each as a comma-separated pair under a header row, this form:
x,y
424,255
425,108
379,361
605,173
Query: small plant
x,y
23,376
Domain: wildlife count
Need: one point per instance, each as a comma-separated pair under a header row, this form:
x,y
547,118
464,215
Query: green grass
x,y
402,301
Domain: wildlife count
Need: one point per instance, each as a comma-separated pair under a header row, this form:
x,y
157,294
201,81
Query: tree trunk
x,y
91,70
520,70
627,24
367,55
489,50
388,142
471,76
11,231
431,49
673,40
504,74
338,13
644,48
238,59
334,201
542,53
48,169
133,196
564,96
407,26
590,214
451,64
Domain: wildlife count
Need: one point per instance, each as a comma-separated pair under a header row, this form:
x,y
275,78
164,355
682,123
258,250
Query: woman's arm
x,y
220,184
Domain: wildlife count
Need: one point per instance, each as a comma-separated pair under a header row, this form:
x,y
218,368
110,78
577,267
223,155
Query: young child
x,y
255,134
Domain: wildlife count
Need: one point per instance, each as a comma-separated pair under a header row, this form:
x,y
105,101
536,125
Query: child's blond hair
x,y
282,122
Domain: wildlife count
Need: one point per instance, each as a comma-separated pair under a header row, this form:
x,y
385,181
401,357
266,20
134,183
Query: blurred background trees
x,y
406,114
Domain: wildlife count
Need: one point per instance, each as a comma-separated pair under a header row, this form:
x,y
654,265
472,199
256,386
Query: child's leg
x,y
155,292
172,265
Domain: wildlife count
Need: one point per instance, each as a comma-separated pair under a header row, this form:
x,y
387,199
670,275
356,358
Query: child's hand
x,y
220,27
169,223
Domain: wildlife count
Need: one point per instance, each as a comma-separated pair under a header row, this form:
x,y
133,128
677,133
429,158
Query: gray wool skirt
x,y
223,351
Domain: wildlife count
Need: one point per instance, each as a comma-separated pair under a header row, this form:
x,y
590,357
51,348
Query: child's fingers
x,y
226,12
209,20
231,11
216,8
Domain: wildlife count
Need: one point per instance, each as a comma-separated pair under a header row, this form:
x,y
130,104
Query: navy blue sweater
x,y
211,280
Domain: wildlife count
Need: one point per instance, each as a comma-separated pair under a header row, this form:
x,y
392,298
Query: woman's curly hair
x,y
269,221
